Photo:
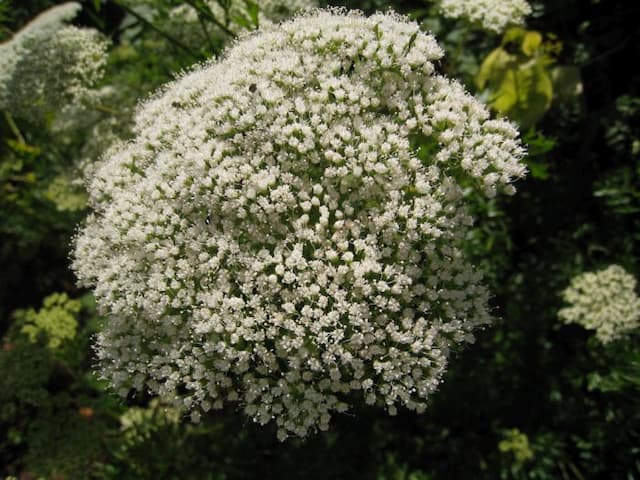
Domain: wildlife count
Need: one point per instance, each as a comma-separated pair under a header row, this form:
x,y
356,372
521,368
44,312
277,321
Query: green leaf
x,y
493,67
513,35
520,89
538,170
242,21
23,149
254,12
524,93
531,43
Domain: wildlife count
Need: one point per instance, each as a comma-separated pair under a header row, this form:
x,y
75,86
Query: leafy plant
x,y
520,79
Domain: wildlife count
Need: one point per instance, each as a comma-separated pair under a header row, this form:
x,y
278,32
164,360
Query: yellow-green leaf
x,y
493,67
513,35
525,94
531,43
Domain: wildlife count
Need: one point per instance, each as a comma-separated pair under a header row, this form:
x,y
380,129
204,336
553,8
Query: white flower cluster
x,y
48,64
492,15
604,301
285,230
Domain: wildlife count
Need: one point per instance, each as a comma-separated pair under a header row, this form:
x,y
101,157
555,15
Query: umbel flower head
x,y
285,230
49,64
604,301
491,15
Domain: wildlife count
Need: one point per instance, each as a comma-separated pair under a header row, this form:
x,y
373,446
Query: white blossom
x,y
48,64
285,230
492,15
604,301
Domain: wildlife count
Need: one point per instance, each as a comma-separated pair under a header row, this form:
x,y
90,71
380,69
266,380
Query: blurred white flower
x,y
492,15
48,64
604,301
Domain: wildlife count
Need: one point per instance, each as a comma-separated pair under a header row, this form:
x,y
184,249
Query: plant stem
x,y
206,33
211,17
13,127
104,109
166,35
575,471
459,46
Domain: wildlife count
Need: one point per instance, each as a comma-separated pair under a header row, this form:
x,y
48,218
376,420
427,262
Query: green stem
x,y
459,46
206,33
211,17
104,109
166,35
575,470
13,127
563,471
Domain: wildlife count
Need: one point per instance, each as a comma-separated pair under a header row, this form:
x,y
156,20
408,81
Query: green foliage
x,y
538,145
55,411
19,199
620,188
516,443
519,79
63,442
4,19
146,447
392,471
65,195
25,370
617,367
54,323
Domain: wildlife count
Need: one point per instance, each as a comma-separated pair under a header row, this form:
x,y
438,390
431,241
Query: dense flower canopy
x,y
48,63
605,301
491,15
285,229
